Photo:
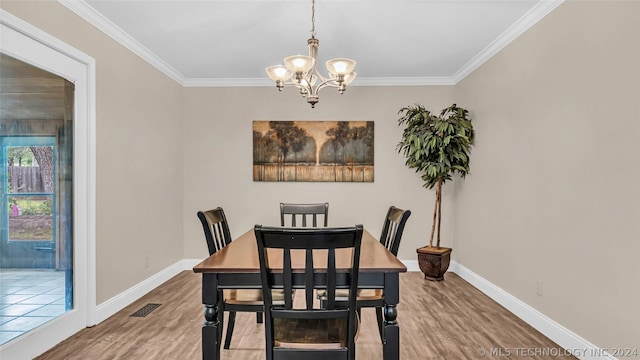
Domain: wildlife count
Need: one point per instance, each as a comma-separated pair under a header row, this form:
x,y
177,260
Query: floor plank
x,y
438,320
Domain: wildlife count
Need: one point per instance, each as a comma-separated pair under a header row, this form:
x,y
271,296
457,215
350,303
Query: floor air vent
x,y
145,310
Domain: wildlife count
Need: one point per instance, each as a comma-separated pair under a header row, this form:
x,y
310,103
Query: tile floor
x,y
29,298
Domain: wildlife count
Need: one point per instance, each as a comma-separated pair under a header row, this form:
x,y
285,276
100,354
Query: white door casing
x,y
35,47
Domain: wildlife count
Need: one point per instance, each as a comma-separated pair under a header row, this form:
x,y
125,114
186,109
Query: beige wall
x,y
138,126
554,193
218,161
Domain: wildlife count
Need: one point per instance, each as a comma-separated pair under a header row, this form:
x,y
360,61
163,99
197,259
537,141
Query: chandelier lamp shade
x,y
302,72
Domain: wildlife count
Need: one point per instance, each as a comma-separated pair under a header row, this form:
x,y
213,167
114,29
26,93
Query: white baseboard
x,y
571,342
127,297
412,265
188,264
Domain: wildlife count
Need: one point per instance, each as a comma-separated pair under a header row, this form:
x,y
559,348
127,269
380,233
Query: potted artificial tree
x,y
436,147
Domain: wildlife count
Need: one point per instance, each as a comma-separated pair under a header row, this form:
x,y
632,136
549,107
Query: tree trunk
x,y
435,218
439,200
44,157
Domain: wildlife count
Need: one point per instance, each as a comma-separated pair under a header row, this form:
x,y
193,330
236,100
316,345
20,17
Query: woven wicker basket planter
x,y
434,262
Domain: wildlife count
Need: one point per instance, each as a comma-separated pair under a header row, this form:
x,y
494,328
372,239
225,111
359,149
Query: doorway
x,y
32,63
36,191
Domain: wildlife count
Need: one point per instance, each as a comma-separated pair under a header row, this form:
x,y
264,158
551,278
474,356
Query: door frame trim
x,y
32,45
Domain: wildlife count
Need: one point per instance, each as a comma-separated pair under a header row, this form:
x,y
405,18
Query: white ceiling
x,y
227,43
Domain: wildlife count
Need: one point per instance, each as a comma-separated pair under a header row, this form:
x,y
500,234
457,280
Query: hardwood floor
x,y
438,320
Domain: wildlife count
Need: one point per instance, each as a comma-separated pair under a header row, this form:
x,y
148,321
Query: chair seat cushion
x,y
250,296
363,294
310,333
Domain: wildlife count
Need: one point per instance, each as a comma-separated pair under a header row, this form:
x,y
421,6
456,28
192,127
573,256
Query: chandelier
x,y
302,72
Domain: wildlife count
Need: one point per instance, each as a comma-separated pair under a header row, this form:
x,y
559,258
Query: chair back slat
x,y
304,212
216,229
308,278
287,278
393,228
331,279
321,271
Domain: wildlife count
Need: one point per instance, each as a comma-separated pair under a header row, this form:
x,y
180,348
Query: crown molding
x,y
227,82
103,24
258,82
404,81
82,9
523,24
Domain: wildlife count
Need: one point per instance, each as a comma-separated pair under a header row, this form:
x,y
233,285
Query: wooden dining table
x,y
237,266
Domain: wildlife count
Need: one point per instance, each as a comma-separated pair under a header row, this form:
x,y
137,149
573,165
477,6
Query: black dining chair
x,y
302,211
217,235
310,332
392,230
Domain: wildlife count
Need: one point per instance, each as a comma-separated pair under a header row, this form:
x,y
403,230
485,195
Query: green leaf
x,y
436,146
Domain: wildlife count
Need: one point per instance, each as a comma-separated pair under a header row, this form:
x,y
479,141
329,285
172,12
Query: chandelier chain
x,y
313,18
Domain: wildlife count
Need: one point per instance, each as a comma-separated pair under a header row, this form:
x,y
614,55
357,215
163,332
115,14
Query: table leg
x,y
212,327
391,347
391,333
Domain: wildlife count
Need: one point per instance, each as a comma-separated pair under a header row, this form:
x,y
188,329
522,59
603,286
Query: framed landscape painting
x,y
336,151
